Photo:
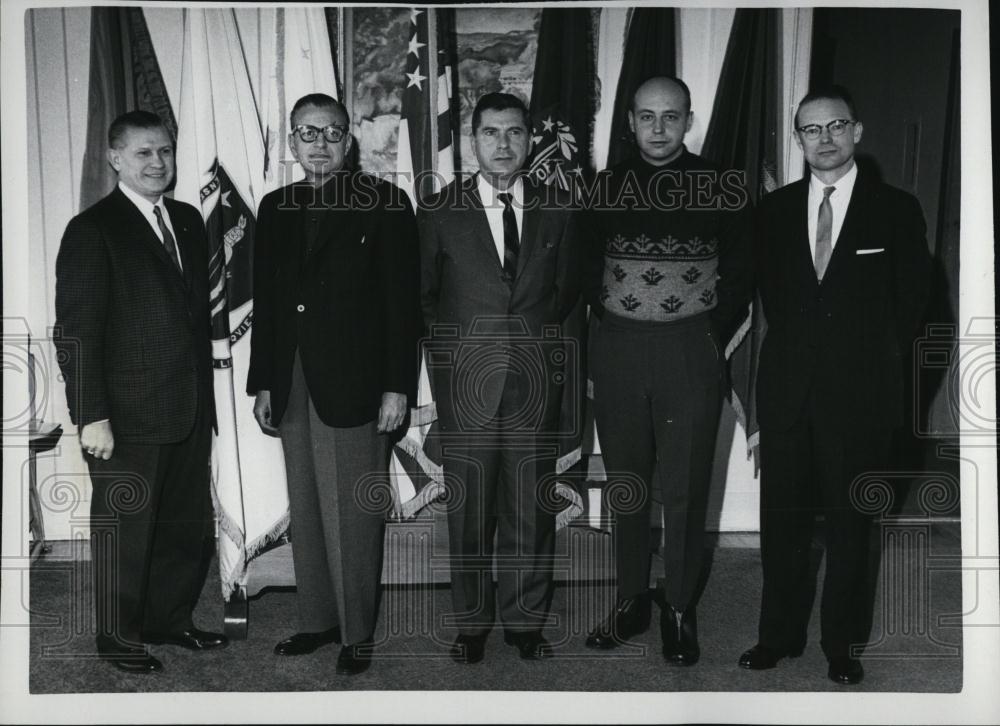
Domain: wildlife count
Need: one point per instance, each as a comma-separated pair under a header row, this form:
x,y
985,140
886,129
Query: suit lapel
x,y
184,239
803,262
133,225
530,221
481,226
334,211
847,240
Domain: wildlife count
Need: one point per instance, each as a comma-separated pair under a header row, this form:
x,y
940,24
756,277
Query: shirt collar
x,y
488,193
145,206
843,184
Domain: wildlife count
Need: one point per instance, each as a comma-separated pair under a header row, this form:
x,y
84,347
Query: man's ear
x,y
114,159
690,122
631,121
858,130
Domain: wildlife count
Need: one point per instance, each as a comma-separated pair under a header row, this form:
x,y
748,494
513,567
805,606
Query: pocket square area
x,y
870,251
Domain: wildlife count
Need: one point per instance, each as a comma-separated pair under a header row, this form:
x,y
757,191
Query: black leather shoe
x,y
530,645
762,657
679,632
355,659
468,649
127,659
845,671
629,618
305,643
192,639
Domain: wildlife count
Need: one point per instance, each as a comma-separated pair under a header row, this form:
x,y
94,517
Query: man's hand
x,y
262,412
392,412
97,440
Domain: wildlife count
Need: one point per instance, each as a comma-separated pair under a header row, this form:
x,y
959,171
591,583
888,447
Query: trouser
x,y
151,535
498,483
808,464
657,398
338,496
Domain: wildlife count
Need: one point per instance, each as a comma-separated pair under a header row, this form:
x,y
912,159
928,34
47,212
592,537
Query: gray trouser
x,y
337,504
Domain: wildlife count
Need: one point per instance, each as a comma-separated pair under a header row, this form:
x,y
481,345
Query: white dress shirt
x,y
146,207
494,209
839,199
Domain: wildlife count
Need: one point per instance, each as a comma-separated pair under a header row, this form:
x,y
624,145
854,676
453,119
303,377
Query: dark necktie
x,y
824,234
168,239
511,242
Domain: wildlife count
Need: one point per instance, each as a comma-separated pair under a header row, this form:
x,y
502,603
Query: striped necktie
x,y
168,239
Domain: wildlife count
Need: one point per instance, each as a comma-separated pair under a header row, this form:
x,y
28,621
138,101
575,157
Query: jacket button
x,y
301,308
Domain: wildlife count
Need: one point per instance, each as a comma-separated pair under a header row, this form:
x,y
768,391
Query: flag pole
x,y
432,80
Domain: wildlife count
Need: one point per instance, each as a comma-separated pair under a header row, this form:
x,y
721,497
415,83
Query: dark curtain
x,y
563,102
124,76
650,50
742,134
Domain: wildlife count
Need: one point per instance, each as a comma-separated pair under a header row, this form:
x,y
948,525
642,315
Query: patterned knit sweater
x,y
670,242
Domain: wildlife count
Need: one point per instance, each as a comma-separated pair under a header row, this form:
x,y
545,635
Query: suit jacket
x,y
349,304
479,322
133,332
846,338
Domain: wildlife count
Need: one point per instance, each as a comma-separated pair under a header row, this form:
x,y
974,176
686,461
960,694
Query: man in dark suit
x,y
134,342
333,364
498,277
844,271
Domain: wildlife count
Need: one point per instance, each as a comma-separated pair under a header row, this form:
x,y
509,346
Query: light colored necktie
x,y
168,239
824,234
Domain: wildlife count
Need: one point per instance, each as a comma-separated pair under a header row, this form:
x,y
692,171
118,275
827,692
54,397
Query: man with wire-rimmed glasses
x,y
843,271
333,366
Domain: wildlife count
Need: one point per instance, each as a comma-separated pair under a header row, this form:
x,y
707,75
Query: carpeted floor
x,y
916,648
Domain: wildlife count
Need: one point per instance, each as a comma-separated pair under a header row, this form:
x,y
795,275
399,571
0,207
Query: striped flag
x,y
424,166
220,162
299,44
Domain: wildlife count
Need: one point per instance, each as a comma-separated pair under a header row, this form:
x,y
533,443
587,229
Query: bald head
x,y
662,84
660,117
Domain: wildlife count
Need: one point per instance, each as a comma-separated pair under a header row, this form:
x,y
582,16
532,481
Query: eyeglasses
x,y
332,133
835,127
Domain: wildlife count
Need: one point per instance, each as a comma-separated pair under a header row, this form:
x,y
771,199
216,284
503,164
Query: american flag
x,y
424,166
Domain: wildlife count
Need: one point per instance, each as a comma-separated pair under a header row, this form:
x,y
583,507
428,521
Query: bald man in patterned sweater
x,y
670,279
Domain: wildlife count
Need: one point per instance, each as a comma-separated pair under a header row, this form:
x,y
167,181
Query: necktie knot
x,y
506,198
827,191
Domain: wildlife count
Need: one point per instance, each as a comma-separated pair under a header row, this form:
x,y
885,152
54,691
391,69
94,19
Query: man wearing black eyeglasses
x,y
844,270
333,366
